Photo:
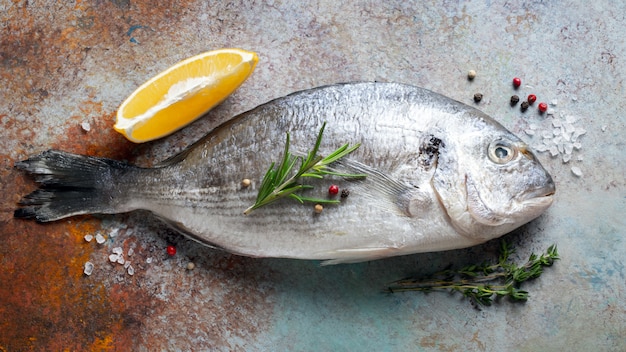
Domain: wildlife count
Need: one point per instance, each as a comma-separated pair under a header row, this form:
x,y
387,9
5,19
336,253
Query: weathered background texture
x,y
63,63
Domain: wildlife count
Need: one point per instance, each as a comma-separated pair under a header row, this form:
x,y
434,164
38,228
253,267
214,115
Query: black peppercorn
x,y
524,106
478,97
345,193
514,100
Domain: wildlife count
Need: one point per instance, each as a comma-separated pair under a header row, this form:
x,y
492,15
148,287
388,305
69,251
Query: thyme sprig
x,y
280,182
481,282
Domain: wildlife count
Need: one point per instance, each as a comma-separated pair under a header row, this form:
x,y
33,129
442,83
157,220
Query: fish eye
x,y
501,152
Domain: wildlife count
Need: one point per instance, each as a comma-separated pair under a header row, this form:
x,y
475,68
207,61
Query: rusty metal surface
x,y
66,63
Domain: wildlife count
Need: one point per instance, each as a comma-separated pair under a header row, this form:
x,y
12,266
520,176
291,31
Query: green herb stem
x,y
483,281
281,182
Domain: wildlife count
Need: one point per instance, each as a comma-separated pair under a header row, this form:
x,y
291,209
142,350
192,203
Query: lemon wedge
x,y
179,95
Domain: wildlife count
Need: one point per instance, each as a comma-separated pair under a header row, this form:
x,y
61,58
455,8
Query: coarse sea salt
x,y
577,133
117,250
100,239
130,270
567,158
88,268
131,252
560,148
85,126
557,140
88,237
560,136
113,258
554,151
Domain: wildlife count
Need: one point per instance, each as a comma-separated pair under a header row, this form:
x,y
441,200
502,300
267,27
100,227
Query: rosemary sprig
x,y
482,282
280,182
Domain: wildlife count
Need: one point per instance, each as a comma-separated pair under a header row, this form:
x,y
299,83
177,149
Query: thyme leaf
x,y
282,181
481,282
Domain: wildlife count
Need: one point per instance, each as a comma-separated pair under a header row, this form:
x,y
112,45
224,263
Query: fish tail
x,y
70,185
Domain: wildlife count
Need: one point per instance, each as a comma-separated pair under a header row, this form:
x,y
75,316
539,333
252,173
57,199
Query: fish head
x,y
491,183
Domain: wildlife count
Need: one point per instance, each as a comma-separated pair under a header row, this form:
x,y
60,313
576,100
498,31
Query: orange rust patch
x,y
46,301
45,304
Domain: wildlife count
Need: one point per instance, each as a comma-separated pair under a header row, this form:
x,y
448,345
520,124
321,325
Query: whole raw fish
x,y
439,175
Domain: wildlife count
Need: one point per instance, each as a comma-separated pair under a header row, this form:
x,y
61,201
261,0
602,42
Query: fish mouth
x,y
538,198
545,192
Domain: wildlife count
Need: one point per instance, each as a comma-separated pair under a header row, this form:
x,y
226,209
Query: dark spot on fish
x,y
429,151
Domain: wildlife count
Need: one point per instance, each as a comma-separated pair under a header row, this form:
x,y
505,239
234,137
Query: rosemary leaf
x,y
283,182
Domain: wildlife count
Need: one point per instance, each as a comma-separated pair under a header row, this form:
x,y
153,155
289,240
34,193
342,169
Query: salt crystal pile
x,y
129,268
118,257
558,135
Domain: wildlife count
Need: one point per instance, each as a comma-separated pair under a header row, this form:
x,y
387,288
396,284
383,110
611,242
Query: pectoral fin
x,y
383,191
